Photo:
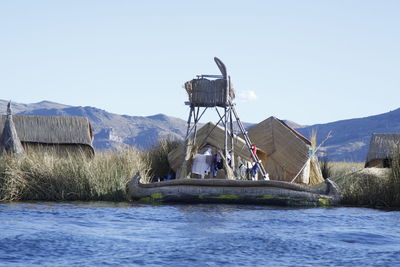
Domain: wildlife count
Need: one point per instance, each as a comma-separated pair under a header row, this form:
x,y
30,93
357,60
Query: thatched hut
x,y
381,149
60,134
288,154
211,136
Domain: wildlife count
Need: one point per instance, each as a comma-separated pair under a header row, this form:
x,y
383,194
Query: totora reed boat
x,y
229,166
234,192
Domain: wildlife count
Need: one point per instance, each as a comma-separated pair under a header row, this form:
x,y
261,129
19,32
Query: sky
x,y
306,61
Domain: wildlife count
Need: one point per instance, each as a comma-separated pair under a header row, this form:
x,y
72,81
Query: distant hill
x,y
350,138
349,142
18,107
294,124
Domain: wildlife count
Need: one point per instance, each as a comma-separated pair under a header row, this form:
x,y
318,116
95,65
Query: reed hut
x,y
211,136
381,150
60,134
289,155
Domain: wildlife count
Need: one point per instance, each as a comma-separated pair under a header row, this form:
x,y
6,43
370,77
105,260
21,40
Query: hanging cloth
x,y
201,163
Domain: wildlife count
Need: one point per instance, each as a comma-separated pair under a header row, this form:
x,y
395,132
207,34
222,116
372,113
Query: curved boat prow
x,y
332,190
133,185
136,178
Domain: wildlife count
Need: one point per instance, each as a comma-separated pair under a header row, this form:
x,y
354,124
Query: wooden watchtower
x,y
215,92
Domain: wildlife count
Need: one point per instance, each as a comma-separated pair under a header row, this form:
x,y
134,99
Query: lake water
x,y
102,233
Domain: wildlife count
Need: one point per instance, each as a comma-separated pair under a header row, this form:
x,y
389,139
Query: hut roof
x,y
299,135
213,135
382,146
273,132
287,150
52,129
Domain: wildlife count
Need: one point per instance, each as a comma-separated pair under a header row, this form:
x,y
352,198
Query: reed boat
x,y
219,151
234,192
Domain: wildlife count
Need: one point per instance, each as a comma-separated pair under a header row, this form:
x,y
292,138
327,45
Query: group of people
x,y
206,163
247,170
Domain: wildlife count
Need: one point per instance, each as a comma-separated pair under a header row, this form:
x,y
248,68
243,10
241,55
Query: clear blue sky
x,y
307,61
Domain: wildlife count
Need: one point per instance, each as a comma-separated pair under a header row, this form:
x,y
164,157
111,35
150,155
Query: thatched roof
x,y
51,130
214,136
287,151
382,146
9,140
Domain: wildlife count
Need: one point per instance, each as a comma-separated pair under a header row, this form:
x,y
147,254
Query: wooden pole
x,y
227,102
226,132
189,121
248,142
182,172
231,126
196,117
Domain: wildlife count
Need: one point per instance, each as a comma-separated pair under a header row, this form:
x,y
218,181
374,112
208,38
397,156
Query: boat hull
x,y
234,192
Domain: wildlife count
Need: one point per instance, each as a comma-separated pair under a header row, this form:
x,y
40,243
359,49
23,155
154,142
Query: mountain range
x,y
349,142
350,138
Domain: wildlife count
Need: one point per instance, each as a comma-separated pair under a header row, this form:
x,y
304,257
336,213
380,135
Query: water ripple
x,y
101,234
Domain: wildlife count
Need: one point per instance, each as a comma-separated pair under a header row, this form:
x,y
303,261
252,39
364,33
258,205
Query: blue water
x,y
101,233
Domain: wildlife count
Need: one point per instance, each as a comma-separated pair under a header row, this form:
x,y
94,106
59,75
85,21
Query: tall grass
x,y
394,179
373,187
342,168
366,188
157,159
47,176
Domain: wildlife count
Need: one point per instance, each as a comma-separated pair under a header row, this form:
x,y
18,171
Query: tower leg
x,y
248,143
232,140
182,171
226,133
